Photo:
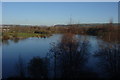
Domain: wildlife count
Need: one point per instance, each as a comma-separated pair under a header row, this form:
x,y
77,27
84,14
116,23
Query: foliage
x,y
37,68
69,56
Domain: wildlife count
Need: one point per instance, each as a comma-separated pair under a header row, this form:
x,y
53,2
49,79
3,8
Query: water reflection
x,y
28,48
6,42
20,67
38,68
16,40
110,60
0,61
70,57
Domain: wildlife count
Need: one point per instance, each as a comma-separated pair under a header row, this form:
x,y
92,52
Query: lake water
x,y
32,47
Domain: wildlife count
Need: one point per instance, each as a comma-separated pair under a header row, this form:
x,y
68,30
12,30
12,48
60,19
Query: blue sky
x,y
50,13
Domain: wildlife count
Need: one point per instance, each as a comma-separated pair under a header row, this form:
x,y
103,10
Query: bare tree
x,y
70,55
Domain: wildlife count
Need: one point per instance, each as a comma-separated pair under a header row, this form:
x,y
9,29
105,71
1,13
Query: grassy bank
x,y
8,35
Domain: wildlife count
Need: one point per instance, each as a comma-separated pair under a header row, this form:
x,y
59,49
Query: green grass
x,y
25,35
30,34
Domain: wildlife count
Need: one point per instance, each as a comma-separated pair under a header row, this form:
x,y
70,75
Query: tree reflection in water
x,y
70,55
69,58
20,66
37,68
110,60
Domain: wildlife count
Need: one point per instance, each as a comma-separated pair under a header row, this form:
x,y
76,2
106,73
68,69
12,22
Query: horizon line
x,y
61,24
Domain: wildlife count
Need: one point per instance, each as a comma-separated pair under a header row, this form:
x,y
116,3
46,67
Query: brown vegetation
x,y
108,32
69,57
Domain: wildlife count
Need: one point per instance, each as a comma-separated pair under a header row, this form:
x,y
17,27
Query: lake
x,y
32,47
